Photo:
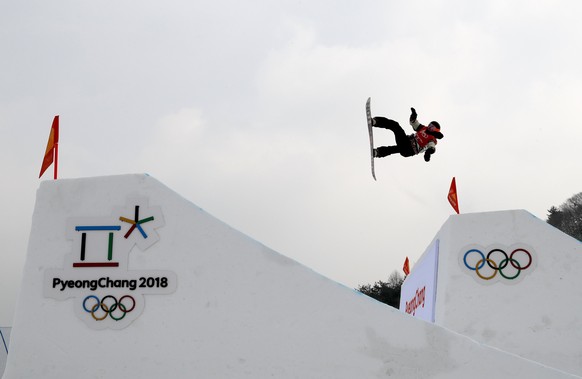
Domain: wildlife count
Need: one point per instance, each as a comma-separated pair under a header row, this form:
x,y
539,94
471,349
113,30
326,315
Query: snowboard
x,y
371,134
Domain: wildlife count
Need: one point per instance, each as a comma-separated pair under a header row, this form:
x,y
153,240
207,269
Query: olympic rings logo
x,y
508,266
109,304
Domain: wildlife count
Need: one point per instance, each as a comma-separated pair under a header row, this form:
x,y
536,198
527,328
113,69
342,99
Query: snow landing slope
x,y
239,309
533,312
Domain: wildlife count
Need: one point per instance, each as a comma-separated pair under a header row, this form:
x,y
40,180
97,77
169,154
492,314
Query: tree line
x,y
568,216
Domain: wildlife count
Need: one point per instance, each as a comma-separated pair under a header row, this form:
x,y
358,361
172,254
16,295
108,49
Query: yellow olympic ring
x,y
491,262
96,307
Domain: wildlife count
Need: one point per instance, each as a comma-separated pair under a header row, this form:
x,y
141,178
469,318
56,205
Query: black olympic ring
x,y
108,309
494,266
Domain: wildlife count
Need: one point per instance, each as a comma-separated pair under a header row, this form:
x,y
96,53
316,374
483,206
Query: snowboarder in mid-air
x,y
424,140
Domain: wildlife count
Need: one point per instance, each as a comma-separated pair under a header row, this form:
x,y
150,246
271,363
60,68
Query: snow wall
x,y
4,344
506,279
126,279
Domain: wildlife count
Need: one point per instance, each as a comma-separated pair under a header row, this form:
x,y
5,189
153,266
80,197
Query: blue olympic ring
x,y
482,259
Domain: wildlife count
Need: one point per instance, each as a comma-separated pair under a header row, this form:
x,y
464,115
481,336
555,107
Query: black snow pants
x,y
403,143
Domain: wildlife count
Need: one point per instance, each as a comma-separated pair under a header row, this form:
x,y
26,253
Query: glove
x,y
413,115
428,153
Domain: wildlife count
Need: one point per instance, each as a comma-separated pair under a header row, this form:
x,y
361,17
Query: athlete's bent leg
x,y
384,151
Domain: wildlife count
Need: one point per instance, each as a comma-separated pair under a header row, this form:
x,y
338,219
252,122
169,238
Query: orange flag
x,y
406,267
52,148
453,196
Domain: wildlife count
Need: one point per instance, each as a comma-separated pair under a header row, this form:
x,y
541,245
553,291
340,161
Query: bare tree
x,y
568,216
386,292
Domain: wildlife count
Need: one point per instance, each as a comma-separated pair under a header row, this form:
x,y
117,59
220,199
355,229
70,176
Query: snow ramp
x,y
124,278
506,279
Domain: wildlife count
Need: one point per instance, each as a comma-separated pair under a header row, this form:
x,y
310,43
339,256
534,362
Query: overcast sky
x,y
254,111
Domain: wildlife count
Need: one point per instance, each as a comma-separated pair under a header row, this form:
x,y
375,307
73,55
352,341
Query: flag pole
x,y
56,158
56,147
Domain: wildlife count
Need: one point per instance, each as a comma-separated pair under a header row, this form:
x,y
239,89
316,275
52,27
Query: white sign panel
x,y
418,292
107,294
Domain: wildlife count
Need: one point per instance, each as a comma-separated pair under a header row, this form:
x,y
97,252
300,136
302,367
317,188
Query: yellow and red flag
x,y
52,148
406,267
453,199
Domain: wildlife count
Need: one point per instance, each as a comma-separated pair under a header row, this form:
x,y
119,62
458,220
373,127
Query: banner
x,y
418,293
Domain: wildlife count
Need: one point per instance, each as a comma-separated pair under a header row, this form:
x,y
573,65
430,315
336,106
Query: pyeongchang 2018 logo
x,y
496,263
416,302
107,294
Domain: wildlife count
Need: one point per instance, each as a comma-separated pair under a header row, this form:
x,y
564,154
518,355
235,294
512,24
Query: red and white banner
x,y
418,292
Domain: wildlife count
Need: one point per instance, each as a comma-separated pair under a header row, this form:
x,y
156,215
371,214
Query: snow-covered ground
x,y
214,303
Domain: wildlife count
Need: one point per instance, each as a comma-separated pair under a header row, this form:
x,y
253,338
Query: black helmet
x,y
436,124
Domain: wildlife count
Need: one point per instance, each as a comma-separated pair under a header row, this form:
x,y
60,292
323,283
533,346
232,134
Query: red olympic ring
x,y
108,309
528,254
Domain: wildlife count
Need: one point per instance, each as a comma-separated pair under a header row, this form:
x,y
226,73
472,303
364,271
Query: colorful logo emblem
x,y
498,263
107,294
